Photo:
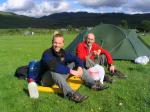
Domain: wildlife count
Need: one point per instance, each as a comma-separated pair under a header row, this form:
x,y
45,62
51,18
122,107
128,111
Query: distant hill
x,y
65,19
11,20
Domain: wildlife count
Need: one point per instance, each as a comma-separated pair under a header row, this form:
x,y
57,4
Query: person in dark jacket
x,y
54,64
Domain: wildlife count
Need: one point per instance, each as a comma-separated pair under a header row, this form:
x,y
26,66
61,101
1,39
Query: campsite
x,y
38,69
124,95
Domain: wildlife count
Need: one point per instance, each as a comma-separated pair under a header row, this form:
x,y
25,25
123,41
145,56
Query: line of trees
x,y
144,26
78,20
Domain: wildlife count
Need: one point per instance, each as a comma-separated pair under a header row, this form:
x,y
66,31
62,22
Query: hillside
x,y
11,20
78,19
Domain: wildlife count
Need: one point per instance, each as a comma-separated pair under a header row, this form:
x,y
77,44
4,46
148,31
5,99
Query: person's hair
x,y
86,35
57,34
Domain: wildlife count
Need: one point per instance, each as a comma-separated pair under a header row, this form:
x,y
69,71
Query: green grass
x,y
17,50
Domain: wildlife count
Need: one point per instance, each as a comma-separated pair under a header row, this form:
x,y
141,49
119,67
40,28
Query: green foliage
x,y
124,24
124,95
146,25
73,19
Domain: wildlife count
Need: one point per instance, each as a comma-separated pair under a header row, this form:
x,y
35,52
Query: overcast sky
x,y
38,8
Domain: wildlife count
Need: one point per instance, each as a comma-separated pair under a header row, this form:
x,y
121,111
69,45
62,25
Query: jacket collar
x,y
85,44
58,54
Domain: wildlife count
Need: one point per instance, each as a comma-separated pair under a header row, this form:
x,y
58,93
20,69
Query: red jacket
x,y
82,51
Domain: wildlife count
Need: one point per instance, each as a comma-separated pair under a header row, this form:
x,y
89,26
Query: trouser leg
x,y
98,60
59,79
103,60
87,78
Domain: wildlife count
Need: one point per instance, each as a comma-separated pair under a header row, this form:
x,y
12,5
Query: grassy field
x,y
124,95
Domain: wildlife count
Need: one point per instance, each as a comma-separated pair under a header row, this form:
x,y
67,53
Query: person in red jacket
x,y
90,47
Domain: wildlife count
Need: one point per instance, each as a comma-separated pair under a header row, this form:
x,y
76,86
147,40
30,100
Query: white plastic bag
x,y
142,60
97,72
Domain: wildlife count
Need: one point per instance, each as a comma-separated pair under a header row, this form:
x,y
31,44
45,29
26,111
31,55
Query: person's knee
x,y
47,79
56,75
103,60
71,65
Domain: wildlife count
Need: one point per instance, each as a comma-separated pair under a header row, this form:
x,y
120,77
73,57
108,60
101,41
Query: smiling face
x,y
90,39
58,43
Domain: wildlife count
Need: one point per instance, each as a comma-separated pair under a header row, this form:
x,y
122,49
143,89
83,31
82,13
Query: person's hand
x,y
112,68
77,73
97,53
80,71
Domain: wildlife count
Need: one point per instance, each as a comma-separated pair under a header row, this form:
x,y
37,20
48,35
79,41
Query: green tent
x,y
121,43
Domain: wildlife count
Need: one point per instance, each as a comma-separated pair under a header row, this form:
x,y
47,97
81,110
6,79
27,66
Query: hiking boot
x,y
119,74
98,86
77,97
108,79
33,90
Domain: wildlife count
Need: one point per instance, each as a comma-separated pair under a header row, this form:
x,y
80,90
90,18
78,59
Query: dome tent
x,y
121,43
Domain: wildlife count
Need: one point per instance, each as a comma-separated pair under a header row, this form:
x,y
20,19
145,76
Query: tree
x,y
145,25
69,27
124,24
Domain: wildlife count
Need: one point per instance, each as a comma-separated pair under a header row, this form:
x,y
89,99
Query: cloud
x,y
124,6
55,6
140,5
50,7
102,3
38,8
17,5
34,8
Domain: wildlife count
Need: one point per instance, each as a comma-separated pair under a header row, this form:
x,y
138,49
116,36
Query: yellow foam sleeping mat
x,y
74,82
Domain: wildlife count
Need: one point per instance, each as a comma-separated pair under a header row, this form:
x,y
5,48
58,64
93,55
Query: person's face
x,y
58,43
90,39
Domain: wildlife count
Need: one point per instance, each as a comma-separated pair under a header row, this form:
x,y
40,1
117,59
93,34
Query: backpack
x,y
21,72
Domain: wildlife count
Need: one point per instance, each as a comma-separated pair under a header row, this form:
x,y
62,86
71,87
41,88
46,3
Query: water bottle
x,y
33,90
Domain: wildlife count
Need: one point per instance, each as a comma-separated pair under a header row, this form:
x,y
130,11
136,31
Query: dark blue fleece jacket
x,y
57,62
